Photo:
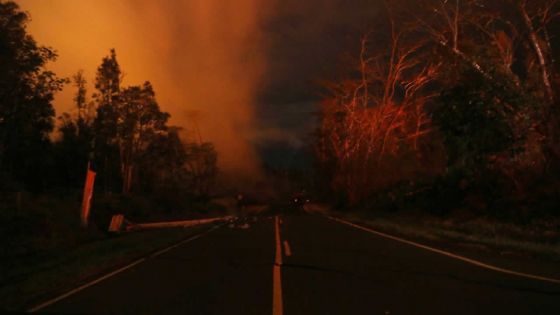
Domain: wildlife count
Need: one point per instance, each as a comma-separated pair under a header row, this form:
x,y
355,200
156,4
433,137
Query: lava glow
x,y
203,56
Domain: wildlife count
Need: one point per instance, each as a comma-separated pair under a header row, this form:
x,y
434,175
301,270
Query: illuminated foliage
x,y
374,124
465,80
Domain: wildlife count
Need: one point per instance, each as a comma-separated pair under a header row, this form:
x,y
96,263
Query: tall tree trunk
x,y
539,51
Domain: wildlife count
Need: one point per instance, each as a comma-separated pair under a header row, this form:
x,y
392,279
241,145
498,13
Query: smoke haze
x,y
241,71
205,59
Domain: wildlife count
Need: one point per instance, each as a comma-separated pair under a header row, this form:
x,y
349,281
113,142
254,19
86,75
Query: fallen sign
x,y
119,223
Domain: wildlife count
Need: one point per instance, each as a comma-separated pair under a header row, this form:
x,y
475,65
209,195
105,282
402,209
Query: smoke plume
x,y
205,59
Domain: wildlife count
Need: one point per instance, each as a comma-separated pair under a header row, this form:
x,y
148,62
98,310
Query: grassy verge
x,y
539,240
30,282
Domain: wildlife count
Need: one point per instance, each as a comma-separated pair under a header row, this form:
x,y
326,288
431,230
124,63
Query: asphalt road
x,y
324,267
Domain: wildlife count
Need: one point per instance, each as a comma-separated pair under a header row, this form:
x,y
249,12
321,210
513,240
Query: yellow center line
x,y
277,305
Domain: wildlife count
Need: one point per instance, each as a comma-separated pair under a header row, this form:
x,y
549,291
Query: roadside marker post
x,y
88,193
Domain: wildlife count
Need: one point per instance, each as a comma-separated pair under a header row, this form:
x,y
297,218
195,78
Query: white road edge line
x,y
442,252
113,273
277,304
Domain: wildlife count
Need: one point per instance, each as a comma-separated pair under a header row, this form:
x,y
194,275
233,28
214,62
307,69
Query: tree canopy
x,y
27,90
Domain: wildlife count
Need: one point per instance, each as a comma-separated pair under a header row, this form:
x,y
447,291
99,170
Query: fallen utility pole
x,y
120,224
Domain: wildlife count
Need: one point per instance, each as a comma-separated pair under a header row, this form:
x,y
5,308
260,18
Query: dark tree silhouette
x,y
108,84
74,149
140,121
26,94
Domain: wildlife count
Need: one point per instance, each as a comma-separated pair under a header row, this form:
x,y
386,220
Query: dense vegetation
x,y
451,105
144,167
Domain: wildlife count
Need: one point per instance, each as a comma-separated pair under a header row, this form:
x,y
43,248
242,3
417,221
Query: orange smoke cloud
x,y
205,59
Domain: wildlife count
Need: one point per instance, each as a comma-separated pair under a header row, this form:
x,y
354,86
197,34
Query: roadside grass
x,y
481,235
540,239
34,280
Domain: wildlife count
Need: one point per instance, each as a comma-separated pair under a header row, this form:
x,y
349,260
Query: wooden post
x,y
88,193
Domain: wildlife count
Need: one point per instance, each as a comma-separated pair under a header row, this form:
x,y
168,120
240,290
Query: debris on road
x,y
120,224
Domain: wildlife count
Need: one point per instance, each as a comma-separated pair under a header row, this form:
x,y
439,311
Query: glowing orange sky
x,y
202,56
